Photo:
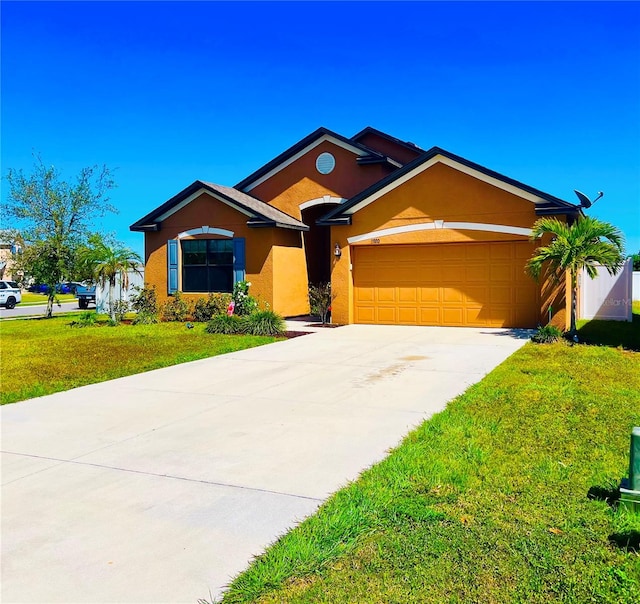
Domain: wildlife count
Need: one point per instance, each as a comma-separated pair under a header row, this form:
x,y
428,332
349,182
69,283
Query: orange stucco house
x,y
405,235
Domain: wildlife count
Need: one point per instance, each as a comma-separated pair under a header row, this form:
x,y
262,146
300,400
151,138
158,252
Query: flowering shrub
x,y
214,304
244,304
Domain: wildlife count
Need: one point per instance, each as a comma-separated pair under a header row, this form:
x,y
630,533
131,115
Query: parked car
x,y
10,294
39,288
70,287
85,295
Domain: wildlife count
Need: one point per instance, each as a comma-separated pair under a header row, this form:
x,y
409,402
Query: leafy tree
x,y
582,244
54,217
635,258
106,262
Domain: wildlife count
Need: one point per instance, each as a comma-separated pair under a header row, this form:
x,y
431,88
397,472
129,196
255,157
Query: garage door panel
x,y
405,274
475,294
386,294
365,314
408,316
453,317
500,251
452,294
429,316
364,295
475,316
500,272
429,272
387,315
408,294
475,284
476,273
500,295
522,296
429,294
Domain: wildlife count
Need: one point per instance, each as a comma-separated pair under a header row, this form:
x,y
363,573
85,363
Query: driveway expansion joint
x,y
170,476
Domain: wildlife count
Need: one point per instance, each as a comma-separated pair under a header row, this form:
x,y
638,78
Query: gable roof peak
x,y
300,148
372,130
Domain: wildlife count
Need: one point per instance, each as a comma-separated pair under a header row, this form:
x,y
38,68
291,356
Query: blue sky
x,y
166,93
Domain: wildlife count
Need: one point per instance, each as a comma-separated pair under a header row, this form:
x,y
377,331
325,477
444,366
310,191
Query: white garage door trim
x,y
441,224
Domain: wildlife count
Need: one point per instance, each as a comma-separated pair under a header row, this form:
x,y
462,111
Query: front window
x,y
207,265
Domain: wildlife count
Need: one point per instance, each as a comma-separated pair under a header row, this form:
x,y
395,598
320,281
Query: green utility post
x,y
630,489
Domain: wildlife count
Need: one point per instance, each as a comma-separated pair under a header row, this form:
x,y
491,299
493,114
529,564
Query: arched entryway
x,y
317,244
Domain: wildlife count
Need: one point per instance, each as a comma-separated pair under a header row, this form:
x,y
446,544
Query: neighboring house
x,y
7,252
406,236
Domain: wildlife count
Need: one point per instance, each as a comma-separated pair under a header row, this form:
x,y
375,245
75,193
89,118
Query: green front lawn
x,y
31,299
41,356
486,502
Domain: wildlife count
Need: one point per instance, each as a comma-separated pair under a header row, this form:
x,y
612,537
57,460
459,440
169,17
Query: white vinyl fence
x,y
607,297
636,286
119,292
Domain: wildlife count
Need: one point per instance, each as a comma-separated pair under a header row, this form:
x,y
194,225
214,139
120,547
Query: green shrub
x,y
86,319
145,304
225,324
320,299
244,303
547,334
120,309
176,309
264,323
214,304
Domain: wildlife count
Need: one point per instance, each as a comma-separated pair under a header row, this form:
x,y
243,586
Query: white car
x,y
10,294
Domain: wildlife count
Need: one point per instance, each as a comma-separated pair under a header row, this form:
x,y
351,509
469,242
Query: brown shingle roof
x,y
261,214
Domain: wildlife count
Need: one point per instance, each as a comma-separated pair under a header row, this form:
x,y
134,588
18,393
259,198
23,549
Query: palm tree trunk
x,y
574,301
112,310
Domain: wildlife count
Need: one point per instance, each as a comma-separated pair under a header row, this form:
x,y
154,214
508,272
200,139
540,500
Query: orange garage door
x,y
471,284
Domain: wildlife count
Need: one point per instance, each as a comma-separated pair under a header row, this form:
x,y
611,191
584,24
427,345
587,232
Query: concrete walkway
x,y
160,487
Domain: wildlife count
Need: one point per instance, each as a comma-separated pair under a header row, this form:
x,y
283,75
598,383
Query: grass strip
x,y
486,502
42,356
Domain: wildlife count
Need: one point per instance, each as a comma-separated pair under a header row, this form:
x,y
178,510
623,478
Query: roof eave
x,y
558,210
144,228
264,223
337,221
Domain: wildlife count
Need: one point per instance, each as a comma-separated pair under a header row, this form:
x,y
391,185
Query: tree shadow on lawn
x,y
611,333
629,541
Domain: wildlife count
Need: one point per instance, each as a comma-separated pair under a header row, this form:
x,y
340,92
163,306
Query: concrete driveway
x,y
160,487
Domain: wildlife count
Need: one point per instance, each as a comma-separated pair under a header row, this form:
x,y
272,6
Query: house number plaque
x,y
375,240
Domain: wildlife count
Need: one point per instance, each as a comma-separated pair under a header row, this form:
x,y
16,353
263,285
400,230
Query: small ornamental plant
x,y
547,334
320,299
145,304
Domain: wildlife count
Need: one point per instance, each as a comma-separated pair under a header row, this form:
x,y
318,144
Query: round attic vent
x,y
325,163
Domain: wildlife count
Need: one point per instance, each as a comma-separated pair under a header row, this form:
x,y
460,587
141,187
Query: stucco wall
x,y
290,283
207,211
300,181
440,193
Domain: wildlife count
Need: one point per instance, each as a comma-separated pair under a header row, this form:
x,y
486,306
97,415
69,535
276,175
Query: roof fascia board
x,y
354,148
261,224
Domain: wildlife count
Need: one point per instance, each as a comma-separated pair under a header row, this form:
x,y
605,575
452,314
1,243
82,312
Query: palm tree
x,y
106,262
582,244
